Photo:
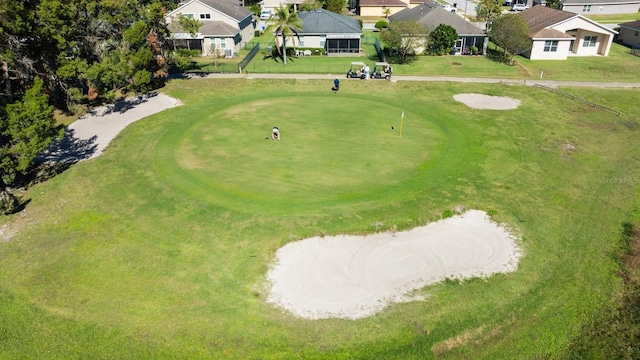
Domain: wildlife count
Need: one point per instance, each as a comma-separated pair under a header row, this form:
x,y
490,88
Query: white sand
x,y
88,136
480,101
356,276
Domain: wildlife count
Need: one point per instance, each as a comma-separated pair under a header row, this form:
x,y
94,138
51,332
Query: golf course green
x,y
160,247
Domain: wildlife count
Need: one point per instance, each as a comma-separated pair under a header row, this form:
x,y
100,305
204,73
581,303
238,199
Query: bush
x,y
381,24
188,53
447,214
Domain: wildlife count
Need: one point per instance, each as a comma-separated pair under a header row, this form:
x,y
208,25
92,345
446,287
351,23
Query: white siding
x,y
538,53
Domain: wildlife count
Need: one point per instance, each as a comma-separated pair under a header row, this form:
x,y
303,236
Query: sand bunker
x,y
479,101
356,276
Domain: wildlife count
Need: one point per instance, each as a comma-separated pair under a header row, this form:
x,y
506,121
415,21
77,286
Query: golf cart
x,y
381,70
356,70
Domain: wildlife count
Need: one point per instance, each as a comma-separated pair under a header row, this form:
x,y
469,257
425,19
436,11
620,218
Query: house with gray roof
x,y
629,33
431,15
601,7
334,32
226,26
557,34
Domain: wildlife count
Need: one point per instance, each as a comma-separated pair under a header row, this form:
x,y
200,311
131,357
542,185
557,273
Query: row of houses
x,y
555,34
582,7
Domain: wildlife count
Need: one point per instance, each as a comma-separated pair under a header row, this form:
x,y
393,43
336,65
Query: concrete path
x,y
396,78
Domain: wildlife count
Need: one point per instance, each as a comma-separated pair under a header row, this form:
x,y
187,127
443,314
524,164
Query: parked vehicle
x,y
265,15
381,70
448,7
507,2
356,70
519,7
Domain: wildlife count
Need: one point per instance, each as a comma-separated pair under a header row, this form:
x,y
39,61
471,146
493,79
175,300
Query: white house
x,y
601,7
226,26
557,34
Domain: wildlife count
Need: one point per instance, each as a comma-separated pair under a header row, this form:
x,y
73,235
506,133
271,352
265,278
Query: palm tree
x,y
285,24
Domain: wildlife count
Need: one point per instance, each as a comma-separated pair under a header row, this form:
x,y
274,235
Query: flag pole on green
x,y
401,121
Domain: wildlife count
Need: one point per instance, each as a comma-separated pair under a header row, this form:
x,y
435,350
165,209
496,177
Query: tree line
x,y
60,54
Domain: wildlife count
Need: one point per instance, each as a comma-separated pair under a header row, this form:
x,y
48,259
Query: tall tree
x,y
25,132
406,37
286,24
443,38
335,6
554,4
488,10
511,33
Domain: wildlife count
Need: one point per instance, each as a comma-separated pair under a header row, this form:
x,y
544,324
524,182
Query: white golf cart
x,y
356,70
381,70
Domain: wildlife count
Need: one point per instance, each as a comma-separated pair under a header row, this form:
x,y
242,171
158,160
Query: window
x,y
205,16
586,8
590,41
551,46
190,16
601,8
223,43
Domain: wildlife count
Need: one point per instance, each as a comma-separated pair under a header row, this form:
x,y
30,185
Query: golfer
x,y
275,133
336,85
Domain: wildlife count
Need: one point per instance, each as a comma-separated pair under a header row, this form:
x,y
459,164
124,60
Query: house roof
x,y
633,25
382,3
599,2
541,19
208,29
322,21
232,9
430,15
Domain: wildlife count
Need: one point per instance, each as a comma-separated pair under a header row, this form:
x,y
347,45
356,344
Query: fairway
x,y
161,247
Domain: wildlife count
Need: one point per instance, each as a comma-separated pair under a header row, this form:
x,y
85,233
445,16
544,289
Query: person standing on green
x,y
336,85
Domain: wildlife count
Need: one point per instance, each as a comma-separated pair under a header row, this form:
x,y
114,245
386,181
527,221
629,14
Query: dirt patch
x,y
487,102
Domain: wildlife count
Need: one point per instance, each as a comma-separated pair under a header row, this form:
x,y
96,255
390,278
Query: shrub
x,y
447,214
381,24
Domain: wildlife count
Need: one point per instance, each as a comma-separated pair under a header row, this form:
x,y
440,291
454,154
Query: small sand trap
x,y
479,101
353,277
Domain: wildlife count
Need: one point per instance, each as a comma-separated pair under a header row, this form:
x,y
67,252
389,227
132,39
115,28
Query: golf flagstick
x,y
401,121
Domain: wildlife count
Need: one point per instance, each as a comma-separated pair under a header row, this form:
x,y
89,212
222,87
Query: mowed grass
x,y
160,247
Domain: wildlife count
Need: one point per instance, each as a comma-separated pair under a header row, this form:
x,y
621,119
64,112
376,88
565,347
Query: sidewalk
x,y
396,78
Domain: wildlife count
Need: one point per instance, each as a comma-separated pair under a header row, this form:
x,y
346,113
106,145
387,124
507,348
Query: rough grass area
x,y
159,248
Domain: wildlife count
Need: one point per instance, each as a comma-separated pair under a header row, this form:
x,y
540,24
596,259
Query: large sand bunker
x,y
488,102
356,276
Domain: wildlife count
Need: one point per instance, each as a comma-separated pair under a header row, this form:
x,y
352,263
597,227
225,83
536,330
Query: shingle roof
x,y
209,28
634,25
322,21
230,8
430,15
540,18
382,3
599,2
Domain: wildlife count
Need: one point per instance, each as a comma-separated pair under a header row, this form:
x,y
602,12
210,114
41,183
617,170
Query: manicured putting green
x,y
332,148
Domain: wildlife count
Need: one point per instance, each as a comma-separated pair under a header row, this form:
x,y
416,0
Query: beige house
x,y
557,34
630,33
382,8
226,26
601,7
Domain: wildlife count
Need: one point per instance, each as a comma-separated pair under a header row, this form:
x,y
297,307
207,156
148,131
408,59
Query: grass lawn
x,y
159,248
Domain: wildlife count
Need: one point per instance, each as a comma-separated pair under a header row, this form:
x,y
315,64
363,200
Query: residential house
x,y
333,32
431,15
381,7
630,33
226,26
271,5
601,7
557,34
